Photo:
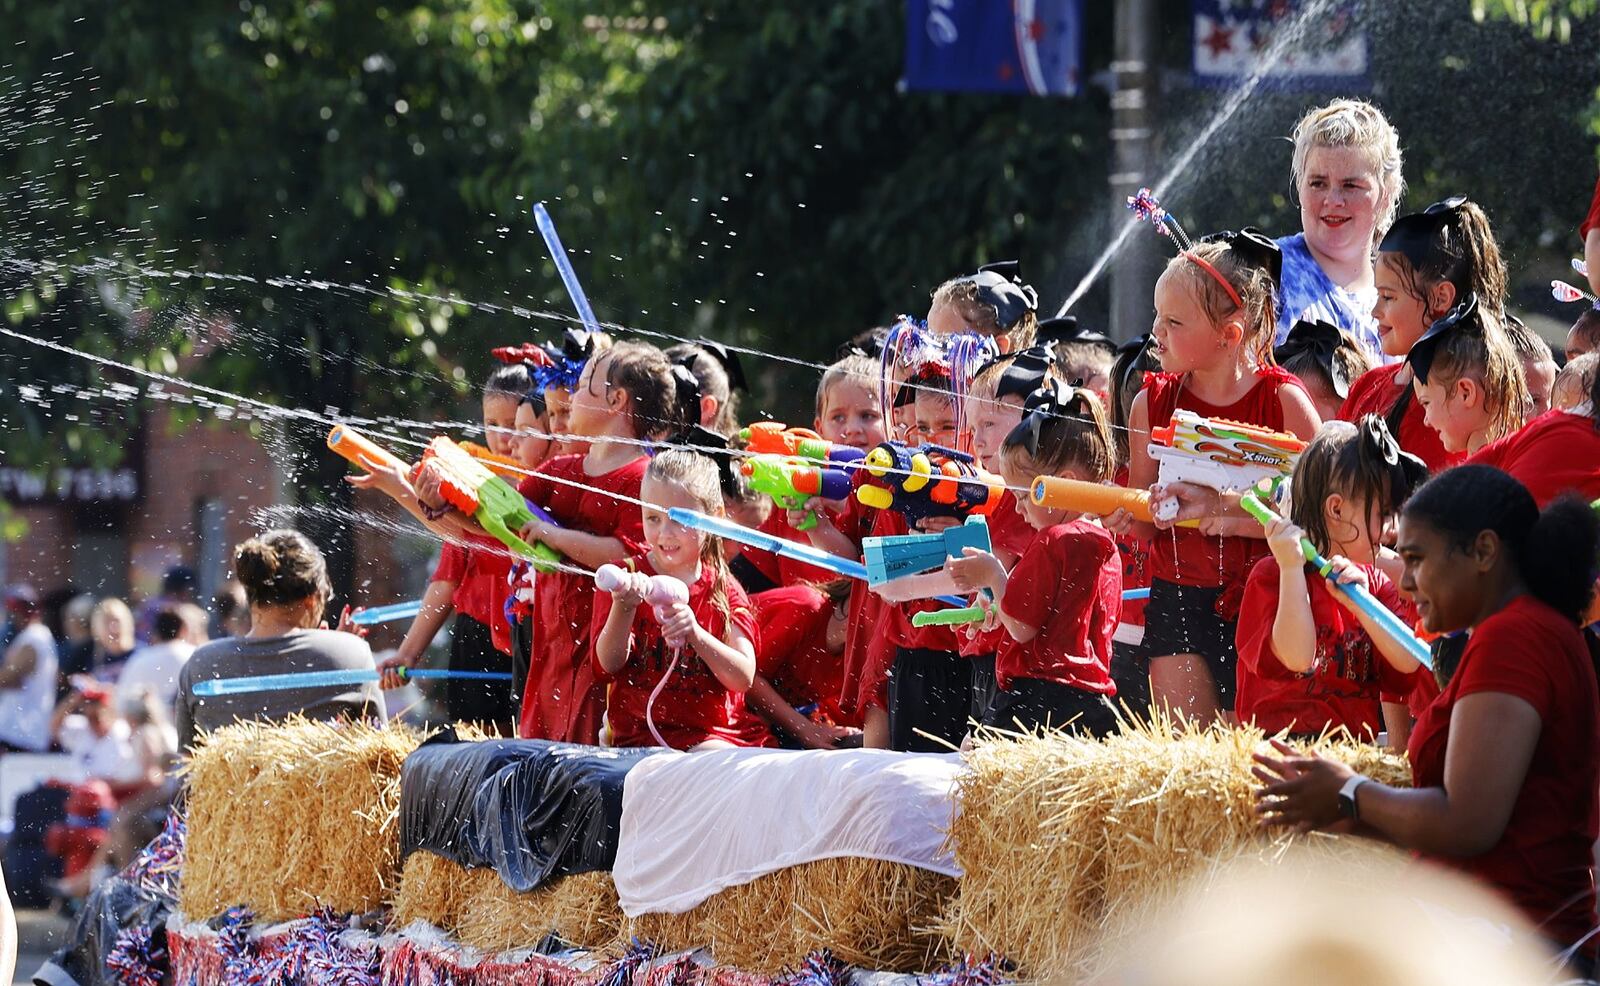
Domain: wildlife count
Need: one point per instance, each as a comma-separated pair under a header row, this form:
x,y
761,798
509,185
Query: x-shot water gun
x,y
466,484
776,438
1217,453
922,481
791,482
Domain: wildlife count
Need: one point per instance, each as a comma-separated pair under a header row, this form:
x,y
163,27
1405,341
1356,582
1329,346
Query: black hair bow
x,y
1027,371
1253,247
1048,403
729,360
713,445
1321,340
1055,331
1424,349
1406,471
1412,235
686,394
577,344
1000,285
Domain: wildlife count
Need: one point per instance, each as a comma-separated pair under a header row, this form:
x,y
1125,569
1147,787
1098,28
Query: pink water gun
x,y
661,592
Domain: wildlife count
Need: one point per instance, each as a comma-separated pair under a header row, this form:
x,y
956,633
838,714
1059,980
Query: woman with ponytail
x,y
1506,761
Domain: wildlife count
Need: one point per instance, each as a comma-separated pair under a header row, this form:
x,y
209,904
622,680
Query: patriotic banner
x,y
1231,38
1023,46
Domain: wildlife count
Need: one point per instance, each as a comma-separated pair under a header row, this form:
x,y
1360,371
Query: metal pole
x,y
1133,115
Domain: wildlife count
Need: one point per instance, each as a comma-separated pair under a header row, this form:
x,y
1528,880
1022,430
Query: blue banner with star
x,y
1233,39
1024,46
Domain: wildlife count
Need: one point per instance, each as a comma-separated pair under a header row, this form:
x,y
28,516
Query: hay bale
x,y
870,913
290,817
478,909
1066,840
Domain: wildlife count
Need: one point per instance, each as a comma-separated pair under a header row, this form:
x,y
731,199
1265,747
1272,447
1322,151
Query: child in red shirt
x,y
1213,334
800,669
1059,605
1308,661
1427,262
678,680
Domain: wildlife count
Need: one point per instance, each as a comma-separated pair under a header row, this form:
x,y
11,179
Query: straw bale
x,y
870,913
289,817
1066,840
478,909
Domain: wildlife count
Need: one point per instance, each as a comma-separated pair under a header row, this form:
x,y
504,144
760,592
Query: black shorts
x,y
983,685
1034,704
1183,619
1130,671
930,691
486,702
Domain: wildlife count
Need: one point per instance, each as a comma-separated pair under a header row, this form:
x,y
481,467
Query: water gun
x,y
1093,498
776,438
662,592
1220,454
1380,614
925,481
494,504
506,467
362,451
791,482
899,555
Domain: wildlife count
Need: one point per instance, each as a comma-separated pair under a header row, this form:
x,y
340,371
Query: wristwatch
x,y
1347,798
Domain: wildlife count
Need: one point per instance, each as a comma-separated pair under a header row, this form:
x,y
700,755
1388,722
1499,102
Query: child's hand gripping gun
x,y
661,592
896,556
774,438
1217,453
791,482
494,504
1252,502
926,481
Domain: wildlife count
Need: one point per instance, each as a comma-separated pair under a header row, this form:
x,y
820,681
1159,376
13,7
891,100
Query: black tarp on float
x,y
531,809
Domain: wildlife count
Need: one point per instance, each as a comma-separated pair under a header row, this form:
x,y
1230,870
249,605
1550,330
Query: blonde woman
x,y
112,624
1347,176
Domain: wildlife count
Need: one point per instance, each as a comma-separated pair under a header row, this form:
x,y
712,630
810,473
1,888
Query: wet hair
x,y
1587,328
1462,252
714,383
1582,371
511,380
697,476
281,567
646,374
1356,124
1529,346
1257,293
1081,362
964,295
534,398
1556,551
1479,347
1127,379
1078,439
854,368
1351,358
1344,458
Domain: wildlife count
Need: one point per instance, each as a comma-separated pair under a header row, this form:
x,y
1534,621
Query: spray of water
x,y
1284,38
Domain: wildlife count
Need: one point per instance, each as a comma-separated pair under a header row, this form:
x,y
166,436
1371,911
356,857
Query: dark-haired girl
x,y
1506,762
1308,659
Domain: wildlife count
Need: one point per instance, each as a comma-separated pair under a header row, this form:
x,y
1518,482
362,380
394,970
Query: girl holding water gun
x,y
677,675
1308,658
625,393
1059,605
1213,335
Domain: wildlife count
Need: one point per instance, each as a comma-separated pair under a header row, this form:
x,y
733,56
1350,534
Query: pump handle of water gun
x,y
326,679
1379,613
383,614
947,617
362,451
506,467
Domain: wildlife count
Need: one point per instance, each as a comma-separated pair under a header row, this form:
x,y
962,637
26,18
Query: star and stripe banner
x,y
1023,46
1232,37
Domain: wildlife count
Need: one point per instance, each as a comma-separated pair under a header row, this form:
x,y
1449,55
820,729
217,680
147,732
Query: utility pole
x,y
1133,116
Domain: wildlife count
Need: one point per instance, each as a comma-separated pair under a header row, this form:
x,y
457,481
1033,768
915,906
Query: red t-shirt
x,y
1009,534
1375,392
853,521
794,653
1543,860
561,701
1348,677
1555,453
1593,218
1183,555
896,617
694,706
1068,583
481,588
1135,553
